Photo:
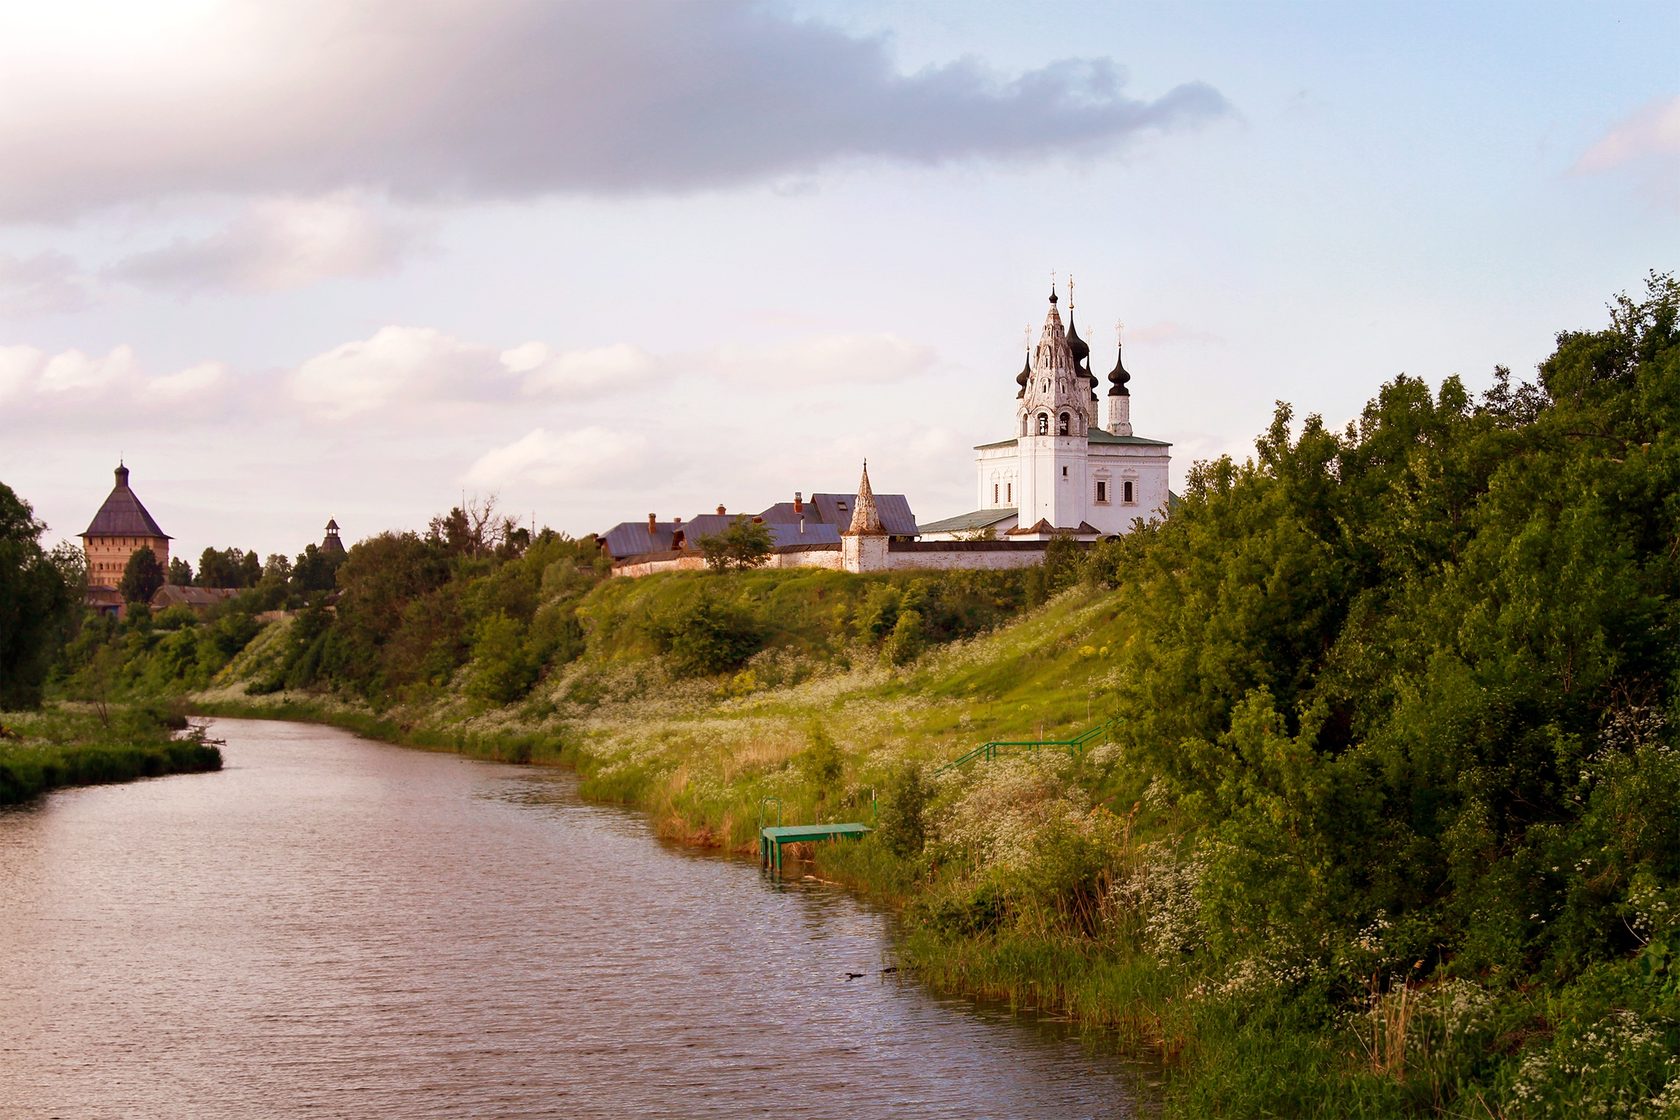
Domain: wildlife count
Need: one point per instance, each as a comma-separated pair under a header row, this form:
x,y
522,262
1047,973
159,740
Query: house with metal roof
x,y
121,528
817,523
1064,473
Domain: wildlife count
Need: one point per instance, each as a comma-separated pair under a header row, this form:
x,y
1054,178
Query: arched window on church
x,y
1062,425
1044,423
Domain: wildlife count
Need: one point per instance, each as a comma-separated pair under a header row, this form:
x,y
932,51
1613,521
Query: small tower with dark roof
x,y
863,546
121,528
1119,396
330,543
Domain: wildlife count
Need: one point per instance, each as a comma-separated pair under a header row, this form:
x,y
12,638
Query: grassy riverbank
x,y
1382,824
69,746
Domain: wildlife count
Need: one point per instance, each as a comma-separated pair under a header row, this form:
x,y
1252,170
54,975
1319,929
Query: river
x,y
336,927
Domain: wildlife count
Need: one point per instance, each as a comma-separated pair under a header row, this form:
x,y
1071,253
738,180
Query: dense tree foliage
x,y
36,597
228,567
142,576
1420,676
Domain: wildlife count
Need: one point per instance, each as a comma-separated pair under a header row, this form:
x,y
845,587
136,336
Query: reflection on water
x,y
344,928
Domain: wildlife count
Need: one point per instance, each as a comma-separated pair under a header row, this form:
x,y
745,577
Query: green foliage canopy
x,y
36,596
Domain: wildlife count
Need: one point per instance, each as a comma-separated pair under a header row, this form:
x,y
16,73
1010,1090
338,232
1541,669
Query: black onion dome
x,y
1052,294
1081,352
1118,377
1026,372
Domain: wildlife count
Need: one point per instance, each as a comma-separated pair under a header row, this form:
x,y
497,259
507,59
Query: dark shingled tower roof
x,y
1118,377
122,515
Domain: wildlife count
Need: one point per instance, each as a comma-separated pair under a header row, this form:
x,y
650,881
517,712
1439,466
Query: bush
x,y
903,825
705,638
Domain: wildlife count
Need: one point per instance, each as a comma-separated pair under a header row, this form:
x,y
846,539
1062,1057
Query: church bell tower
x,y
1054,418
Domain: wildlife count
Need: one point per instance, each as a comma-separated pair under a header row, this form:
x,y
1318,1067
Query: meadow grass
x,y
68,745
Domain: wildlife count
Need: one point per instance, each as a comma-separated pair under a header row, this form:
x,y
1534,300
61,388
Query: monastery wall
x,y
944,555
902,556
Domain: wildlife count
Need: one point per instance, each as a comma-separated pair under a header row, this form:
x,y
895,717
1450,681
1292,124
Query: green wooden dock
x,y
772,837
770,840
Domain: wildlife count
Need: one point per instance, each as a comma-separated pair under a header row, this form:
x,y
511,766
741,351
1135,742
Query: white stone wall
x,y
946,561
892,561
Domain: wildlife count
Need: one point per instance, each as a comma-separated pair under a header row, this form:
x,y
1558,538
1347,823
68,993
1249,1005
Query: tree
x,y
229,567
316,570
477,530
745,544
34,600
180,572
142,576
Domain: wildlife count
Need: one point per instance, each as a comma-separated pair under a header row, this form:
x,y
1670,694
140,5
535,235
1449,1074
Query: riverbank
x,y
956,852
63,745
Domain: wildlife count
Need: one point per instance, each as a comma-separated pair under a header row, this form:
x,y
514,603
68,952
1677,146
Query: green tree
x,y
745,544
707,637
316,570
229,567
142,576
500,671
35,597
180,572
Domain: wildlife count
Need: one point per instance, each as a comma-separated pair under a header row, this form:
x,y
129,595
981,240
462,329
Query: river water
x,y
337,927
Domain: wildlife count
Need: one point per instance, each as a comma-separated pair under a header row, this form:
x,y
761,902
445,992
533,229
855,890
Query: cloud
x,y
396,365
75,383
560,459
190,382
73,370
1652,132
1644,147
278,244
580,372
445,101
44,283
826,359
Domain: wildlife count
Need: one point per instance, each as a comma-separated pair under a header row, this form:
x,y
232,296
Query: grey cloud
x,y
45,283
277,244
448,101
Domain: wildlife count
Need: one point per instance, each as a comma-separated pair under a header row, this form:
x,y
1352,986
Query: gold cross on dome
x,y
1119,331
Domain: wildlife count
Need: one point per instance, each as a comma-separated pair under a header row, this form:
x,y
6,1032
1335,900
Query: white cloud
x,y
447,101
396,365
581,372
192,381
277,244
73,370
557,459
19,366
76,384
1653,131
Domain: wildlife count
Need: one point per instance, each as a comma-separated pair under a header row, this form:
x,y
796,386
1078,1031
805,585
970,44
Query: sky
x,y
367,259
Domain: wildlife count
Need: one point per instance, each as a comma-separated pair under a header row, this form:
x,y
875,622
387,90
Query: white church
x,y
1063,473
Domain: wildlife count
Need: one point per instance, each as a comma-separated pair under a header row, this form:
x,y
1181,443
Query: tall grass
x,y
66,746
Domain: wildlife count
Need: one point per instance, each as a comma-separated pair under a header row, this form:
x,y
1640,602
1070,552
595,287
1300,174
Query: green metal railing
x,y
988,751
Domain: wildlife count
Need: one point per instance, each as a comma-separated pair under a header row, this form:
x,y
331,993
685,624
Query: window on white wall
x,y
1128,492
1102,491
